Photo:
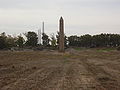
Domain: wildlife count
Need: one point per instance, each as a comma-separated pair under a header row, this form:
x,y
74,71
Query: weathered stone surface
x,y
61,38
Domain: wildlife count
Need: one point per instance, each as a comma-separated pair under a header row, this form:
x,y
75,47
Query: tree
x,y
3,40
20,41
11,41
86,40
45,39
7,41
53,40
65,41
74,41
32,39
57,36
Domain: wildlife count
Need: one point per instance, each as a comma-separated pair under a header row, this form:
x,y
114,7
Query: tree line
x,y
101,40
89,41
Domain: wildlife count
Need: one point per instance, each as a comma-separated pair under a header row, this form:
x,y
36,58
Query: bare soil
x,y
73,70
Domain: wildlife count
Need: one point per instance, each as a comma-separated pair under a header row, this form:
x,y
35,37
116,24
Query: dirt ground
x,y
74,70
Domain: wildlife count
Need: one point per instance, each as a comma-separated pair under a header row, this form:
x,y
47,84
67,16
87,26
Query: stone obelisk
x,y
61,35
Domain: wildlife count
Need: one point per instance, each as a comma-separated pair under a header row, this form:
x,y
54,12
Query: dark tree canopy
x,y
3,43
101,40
20,41
7,41
32,39
45,39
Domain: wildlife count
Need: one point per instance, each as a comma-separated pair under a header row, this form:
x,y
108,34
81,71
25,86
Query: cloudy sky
x,y
81,16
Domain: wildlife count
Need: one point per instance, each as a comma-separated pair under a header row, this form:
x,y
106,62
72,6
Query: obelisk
x,y
61,35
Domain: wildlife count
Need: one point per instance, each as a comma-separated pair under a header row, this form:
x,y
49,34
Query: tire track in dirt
x,y
65,82
69,81
54,81
31,81
37,79
111,67
10,78
73,76
104,78
85,79
78,78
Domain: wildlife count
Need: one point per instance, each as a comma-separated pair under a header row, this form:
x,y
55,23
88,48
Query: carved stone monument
x,y
61,37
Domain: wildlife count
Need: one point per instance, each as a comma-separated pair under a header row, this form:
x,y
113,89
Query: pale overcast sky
x,y
81,16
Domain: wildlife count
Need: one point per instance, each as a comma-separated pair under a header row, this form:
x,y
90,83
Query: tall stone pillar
x,y
61,37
